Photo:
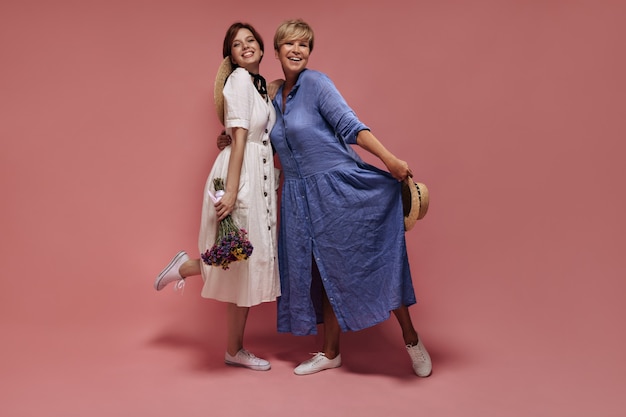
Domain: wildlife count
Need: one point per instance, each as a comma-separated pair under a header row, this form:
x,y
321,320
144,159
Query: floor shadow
x,y
198,330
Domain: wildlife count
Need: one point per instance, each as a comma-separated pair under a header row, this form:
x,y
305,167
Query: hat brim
x,y
224,70
424,199
415,199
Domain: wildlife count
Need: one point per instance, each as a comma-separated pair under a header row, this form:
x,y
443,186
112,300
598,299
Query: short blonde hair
x,y
291,30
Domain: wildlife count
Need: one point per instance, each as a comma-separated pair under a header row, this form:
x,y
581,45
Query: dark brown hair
x,y
232,32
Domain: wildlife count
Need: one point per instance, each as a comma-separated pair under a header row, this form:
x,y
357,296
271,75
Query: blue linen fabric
x,y
337,211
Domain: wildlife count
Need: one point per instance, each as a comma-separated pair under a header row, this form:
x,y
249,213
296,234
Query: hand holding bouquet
x,y
231,243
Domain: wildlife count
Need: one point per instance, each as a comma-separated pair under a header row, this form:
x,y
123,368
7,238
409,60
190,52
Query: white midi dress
x,y
254,280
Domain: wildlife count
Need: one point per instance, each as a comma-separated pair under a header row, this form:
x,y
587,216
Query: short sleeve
x,y
238,99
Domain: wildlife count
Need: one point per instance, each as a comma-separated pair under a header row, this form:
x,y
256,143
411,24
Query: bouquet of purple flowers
x,y
231,243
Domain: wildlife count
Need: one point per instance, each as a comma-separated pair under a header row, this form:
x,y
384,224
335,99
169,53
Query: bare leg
x,y
179,268
190,268
236,324
422,365
332,330
408,331
236,355
329,357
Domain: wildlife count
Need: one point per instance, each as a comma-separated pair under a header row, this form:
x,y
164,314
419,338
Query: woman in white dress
x,y
247,167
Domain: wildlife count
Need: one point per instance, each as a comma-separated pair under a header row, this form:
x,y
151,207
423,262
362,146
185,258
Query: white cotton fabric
x,y
255,280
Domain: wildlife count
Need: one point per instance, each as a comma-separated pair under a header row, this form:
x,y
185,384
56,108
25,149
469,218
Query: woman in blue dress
x,y
341,250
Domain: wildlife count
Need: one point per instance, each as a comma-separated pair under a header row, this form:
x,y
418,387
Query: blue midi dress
x,y
341,222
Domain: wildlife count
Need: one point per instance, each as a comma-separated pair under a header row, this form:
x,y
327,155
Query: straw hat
x,y
223,72
414,202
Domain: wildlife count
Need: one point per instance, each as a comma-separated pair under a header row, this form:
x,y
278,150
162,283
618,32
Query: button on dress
x,y
337,213
255,280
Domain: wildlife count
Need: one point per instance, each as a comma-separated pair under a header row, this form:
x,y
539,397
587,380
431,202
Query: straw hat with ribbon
x,y
414,202
224,70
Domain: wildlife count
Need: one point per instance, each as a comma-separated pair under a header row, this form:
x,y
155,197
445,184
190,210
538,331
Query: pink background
x,y
512,112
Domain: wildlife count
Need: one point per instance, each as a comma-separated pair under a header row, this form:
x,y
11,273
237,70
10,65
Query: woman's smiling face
x,y
245,50
293,55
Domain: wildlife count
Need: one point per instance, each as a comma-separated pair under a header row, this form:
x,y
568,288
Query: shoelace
x,y
316,357
417,351
249,355
180,286
246,353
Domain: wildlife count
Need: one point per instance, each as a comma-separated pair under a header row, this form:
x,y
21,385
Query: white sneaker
x,y
317,363
170,273
422,366
246,359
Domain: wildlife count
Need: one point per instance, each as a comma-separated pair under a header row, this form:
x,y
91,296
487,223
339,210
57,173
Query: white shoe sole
x,y
167,269
309,370
253,367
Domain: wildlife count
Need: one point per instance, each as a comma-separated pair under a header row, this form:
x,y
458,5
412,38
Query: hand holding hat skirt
x,y
342,221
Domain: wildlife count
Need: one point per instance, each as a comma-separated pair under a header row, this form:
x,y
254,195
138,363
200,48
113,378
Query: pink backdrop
x,y
512,112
